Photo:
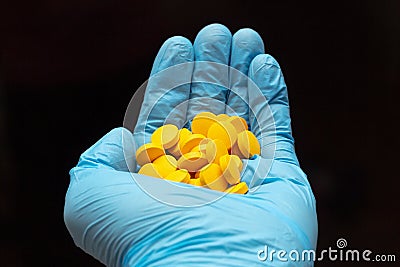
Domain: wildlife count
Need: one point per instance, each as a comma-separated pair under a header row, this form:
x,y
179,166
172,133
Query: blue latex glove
x,y
112,218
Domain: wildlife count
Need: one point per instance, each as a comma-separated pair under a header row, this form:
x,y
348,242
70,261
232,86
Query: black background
x,y
69,69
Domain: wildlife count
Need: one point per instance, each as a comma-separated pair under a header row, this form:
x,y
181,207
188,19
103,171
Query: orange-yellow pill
x,y
230,170
203,145
195,149
165,164
190,142
224,131
235,151
211,175
239,123
148,153
183,134
248,144
196,181
150,169
224,160
192,161
222,117
167,136
240,188
244,123
175,150
214,150
202,121
181,176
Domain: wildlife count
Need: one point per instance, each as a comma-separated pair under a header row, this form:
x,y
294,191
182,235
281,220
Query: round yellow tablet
x,y
244,123
192,161
183,134
224,160
196,181
230,171
190,142
239,123
235,151
202,121
175,150
167,136
166,164
248,144
195,149
224,131
148,153
214,150
211,175
203,145
150,169
222,117
240,188
181,176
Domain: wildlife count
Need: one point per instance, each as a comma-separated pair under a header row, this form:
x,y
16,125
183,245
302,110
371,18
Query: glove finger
x,y
210,75
114,151
246,44
168,89
269,115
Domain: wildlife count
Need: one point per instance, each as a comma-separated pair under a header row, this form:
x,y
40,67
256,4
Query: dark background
x,y
69,68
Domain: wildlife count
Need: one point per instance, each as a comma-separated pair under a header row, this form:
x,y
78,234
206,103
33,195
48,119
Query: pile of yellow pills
x,y
208,156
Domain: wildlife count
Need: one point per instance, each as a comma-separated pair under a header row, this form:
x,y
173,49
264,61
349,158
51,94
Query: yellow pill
x,y
148,153
230,170
181,176
214,150
203,145
239,123
184,133
196,149
224,131
244,123
192,161
222,117
211,175
224,160
175,150
196,181
167,136
190,142
248,144
166,164
235,151
151,170
202,121
240,188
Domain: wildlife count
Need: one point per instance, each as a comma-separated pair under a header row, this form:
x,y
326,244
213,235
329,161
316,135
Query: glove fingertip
x,y
175,50
114,151
261,61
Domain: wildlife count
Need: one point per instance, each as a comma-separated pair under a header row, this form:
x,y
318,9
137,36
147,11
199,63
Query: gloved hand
x,y
112,216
